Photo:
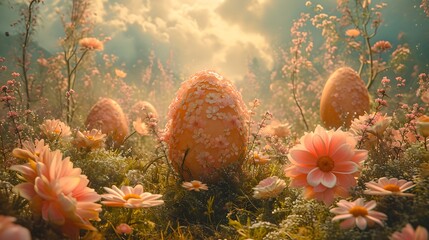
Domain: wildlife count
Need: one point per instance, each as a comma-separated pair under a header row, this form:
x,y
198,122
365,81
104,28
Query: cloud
x,y
193,30
224,35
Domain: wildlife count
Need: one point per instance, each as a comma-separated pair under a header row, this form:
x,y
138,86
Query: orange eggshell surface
x,y
344,98
107,115
207,122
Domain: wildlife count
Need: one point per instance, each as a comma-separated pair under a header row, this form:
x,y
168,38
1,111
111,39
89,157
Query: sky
x,y
223,35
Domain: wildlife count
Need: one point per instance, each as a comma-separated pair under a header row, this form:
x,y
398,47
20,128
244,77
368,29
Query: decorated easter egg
x,y
107,115
143,109
344,98
206,129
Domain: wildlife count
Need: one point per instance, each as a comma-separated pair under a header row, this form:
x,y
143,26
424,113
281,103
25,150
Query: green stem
x,y
371,63
295,98
426,147
129,136
130,214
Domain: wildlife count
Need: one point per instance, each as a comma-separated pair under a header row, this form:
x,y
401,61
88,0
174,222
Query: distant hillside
x,y
10,49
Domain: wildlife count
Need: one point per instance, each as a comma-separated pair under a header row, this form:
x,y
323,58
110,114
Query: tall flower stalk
x,y
76,48
298,61
30,21
366,19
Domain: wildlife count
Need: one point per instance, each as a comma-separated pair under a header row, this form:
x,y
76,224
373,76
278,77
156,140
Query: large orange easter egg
x,y
344,98
206,129
107,115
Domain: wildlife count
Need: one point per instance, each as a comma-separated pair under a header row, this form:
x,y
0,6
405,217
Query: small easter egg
x,y
107,116
344,98
143,109
206,129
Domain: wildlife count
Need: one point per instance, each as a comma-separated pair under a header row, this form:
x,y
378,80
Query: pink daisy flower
x,y
194,185
325,163
260,158
357,213
391,186
130,197
408,233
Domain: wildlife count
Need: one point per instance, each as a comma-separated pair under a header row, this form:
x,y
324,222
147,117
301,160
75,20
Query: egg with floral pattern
x,y
107,115
344,98
206,129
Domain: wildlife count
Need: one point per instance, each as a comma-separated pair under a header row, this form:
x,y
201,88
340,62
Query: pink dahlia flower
x,y
130,197
89,139
54,129
30,150
325,163
408,233
9,230
357,213
59,193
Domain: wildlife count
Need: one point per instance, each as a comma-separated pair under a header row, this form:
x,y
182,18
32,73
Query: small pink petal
x,y
343,214
314,177
361,222
347,167
342,153
320,146
303,157
329,180
348,223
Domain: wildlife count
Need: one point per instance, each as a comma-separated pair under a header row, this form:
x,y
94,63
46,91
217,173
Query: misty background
x,y
223,35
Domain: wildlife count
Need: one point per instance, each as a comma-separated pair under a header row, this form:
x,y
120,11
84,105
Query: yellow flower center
x,y
392,188
90,138
196,185
357,211
131,195
57,131
325,164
